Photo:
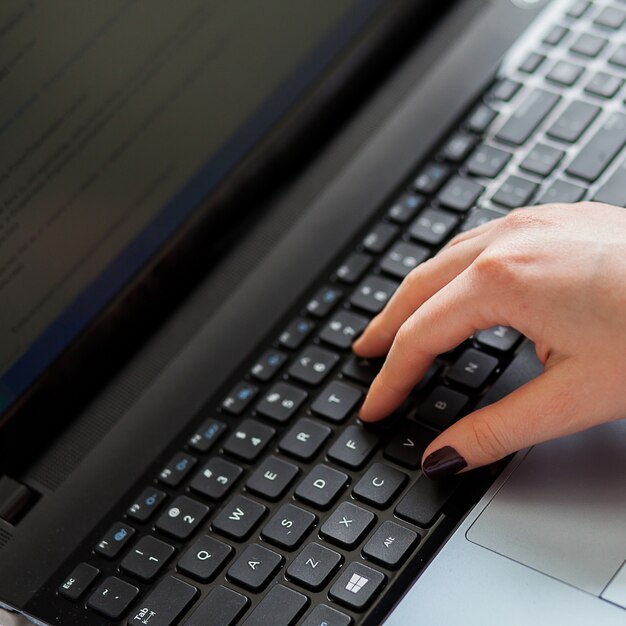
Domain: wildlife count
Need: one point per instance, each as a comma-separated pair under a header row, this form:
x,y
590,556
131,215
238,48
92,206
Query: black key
x,y
116,538
472,369
353,447
280,607
574,121
611,18
600,150
314,566
524,367
323,301
542,160
268,365
321,486
404,210
561,191
555,35
281,402
238,517
501,338
604,85
78,581
373,293
204,438
353,268
408,444
425,500
478,217
532,62
458,147
480,119
505,89
565,73
164,604
182,517
379,238
589,45
343,328
177,469
249,440
361,370
431,178
253,569
402,258
442,407
204,558
527,117
271,478
337,401
433,226
323,615
296,333
619,56
614,189
288,527
222,606
239,398
357,586
147,558
487,161
515,192
390,544
146,504
112,597
578,8
305,439
347,525
313,365
216,478
460,194
379,485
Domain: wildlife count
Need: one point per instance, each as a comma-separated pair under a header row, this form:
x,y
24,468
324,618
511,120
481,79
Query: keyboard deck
x,y
278,506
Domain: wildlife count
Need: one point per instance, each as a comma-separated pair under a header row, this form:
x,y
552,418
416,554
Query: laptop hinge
x,y
16,500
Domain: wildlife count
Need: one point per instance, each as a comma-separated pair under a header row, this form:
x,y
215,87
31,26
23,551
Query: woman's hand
x,y
556,273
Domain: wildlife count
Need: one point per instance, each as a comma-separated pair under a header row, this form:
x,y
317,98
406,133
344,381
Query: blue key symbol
x,y
151,500
274,360
303,327
211,431
181,465
244,393
120,535
329,296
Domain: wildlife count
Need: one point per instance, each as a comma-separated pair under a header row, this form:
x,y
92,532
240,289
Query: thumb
x,y
556,403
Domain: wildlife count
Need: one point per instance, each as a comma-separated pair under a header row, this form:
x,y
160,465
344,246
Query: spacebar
x,y
524,367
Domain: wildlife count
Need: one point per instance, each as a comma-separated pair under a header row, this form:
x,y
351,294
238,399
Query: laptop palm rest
x,y
563,511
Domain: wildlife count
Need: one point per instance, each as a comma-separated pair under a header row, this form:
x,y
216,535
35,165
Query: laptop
x,y
203,205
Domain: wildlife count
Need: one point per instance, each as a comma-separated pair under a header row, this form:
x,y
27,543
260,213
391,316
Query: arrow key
x,y
254,567
407,447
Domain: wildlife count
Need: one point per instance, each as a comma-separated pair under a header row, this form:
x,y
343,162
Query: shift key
x,y
527,117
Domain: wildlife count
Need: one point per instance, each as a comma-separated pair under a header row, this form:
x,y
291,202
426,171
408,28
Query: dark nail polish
x,y
443,462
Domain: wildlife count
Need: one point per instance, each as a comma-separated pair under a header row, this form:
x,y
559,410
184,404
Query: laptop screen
x,y
117,119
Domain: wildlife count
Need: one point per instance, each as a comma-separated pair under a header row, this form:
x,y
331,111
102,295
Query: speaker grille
x,y
5,537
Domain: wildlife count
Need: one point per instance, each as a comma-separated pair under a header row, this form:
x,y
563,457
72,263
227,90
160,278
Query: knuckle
x,y
524,218
487,440
494,266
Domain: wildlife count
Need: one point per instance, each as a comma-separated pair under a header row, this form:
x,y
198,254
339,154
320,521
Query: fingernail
x,y
443,462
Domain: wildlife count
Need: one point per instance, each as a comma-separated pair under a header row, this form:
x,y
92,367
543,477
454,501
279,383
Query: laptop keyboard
x,y
280,507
